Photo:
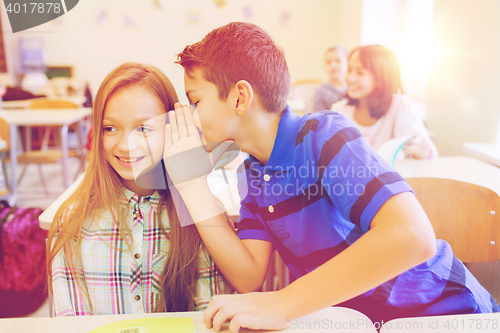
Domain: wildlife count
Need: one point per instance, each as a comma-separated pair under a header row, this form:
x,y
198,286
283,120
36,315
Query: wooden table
x,y
462,168
40,117
334,319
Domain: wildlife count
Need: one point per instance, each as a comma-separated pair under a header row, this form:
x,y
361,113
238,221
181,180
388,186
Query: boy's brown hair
x,y
241,51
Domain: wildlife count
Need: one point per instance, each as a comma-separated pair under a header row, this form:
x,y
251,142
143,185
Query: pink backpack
x,y
22,261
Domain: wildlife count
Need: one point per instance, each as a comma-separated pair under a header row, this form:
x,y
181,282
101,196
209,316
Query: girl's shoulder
x,y
401,99
404,106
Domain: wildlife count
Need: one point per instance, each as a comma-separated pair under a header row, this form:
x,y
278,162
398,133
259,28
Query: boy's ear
x,y
244,97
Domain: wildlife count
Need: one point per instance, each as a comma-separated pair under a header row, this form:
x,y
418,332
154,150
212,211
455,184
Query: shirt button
x,y
137,256
137,297
138,215
270,209
267,177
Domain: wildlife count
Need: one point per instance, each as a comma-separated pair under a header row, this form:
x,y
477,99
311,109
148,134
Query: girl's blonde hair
x,y
101,189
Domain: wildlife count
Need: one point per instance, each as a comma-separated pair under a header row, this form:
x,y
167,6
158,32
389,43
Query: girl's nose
x,y
127,143
349,78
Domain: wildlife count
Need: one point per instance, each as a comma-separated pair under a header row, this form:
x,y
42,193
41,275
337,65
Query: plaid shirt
x,y
118,280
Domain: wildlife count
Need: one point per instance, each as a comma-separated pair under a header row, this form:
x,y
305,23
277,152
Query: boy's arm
x,y
400,237
243,263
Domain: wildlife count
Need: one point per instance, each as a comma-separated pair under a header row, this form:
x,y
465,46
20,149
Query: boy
x,y
347,225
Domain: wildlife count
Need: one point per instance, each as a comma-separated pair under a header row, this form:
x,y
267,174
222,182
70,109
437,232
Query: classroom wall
x,y
94,37
463,99
405,27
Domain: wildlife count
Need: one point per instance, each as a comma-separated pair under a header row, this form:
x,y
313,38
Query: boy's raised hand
x,y
185,156
259,310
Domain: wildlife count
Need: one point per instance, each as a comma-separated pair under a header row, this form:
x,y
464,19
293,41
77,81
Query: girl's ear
x,y
244,97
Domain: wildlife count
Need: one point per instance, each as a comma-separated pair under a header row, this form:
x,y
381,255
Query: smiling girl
x,y
376,104
116,246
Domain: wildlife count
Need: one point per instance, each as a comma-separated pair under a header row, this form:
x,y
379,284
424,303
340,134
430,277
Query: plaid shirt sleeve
x,y
68,296
210,281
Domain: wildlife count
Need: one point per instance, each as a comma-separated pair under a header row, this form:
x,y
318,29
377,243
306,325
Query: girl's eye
x,y
143,129
109,129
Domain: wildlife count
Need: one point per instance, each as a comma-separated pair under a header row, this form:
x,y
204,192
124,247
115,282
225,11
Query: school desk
x,y
41,117
488,152
333,319
24,104
462,168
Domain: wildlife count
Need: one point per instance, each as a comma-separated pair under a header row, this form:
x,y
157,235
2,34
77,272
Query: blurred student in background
x,y
334,88
376,104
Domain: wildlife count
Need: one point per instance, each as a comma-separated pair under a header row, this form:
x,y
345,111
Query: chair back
x,y
304,90
53,104
465,215
4,133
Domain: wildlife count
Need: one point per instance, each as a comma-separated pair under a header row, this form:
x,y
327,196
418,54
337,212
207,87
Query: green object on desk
x,y
149,325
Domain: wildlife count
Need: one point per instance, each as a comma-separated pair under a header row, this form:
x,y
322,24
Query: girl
x,y
334,88
376,104
116,245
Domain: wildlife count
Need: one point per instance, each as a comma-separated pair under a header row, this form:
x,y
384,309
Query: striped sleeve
x,y
354,176
249,226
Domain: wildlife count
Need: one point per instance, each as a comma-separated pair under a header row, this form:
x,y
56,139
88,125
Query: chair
x,y
4,136
46,155
304,91
465,215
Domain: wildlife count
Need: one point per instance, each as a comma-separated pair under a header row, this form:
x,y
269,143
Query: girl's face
x,y
134,125
335,65
360,81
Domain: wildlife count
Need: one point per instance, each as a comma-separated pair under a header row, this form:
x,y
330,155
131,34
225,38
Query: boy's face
x,y
335,65
217,117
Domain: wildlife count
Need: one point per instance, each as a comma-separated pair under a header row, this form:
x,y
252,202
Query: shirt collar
x,y
134,197
284,144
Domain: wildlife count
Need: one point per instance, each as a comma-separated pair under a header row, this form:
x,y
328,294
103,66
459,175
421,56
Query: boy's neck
x,y
259,133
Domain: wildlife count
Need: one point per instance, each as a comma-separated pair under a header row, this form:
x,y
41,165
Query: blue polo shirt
x,y
319,192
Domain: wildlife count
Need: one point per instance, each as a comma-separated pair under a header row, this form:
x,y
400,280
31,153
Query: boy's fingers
x,y
181,122
191,128
220,318
236,323
209,314
168,135
173,123
215,305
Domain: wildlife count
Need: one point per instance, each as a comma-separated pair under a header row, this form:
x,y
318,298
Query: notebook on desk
x,y
392,150
149,325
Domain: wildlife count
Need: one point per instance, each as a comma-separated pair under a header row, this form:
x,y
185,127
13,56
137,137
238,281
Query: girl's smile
x,y
129,162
